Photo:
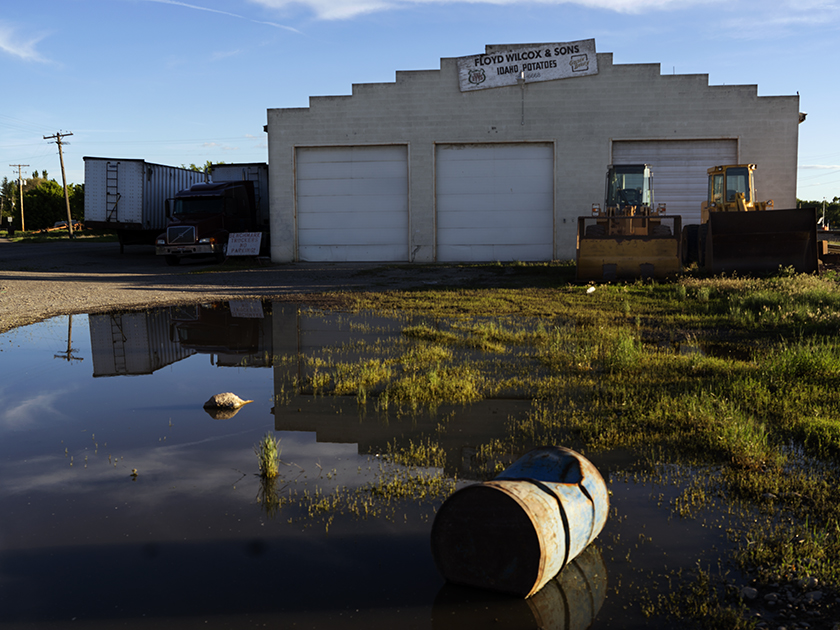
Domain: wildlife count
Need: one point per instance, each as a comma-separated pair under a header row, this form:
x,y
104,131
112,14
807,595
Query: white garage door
x,y
679,169
495,202
352,203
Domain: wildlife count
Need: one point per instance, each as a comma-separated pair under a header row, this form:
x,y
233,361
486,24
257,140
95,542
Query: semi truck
x,y
201,218
128,196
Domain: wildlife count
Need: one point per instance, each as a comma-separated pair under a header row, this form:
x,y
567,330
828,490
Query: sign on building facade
x,y
543,62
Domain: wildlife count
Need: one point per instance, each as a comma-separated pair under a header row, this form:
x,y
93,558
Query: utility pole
x,y
57,137
20,167
68,356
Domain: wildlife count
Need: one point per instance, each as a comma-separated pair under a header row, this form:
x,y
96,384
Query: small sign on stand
x,y
244,244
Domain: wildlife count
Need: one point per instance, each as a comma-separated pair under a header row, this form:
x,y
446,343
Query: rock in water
x,y
225,401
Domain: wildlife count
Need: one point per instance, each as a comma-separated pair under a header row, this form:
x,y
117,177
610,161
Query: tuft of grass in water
x,y
452,384
425,454
702,600
268,456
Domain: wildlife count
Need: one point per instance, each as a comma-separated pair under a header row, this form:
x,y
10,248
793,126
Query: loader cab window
x,y
716,189
629,186
737,181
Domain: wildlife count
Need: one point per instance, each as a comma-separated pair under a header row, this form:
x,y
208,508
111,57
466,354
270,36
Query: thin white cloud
x,y
344,9
229,14
18,46
217,56
30,412
216,145
774,17
769,14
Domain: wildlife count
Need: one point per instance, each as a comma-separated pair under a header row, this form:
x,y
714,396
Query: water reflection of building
x,y
236,334
292,340
303,336
133,343
143,342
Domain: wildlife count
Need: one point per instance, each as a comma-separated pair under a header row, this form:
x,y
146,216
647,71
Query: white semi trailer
x,y
129,196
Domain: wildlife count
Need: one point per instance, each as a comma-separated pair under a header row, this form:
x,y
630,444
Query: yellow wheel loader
x,y
629,237
737,233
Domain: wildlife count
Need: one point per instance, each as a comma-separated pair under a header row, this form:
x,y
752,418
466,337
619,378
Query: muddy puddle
x,y
125,503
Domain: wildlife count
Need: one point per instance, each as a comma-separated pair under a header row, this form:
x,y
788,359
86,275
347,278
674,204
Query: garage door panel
x,y
499,167
351,220
352,203
482,236
494,186
349,205
352,253
525,253
351,187
352,170
379,153
509,205
350,236
498,217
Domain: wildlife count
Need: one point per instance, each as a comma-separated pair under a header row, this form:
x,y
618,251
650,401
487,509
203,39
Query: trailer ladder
x,y
118,340
112,190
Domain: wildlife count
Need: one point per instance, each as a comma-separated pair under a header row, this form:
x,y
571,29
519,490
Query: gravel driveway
x,y
42,280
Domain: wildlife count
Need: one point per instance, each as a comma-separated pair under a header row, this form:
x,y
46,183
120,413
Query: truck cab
x,y
202,217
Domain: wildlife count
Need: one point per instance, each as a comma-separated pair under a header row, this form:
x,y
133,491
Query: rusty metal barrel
x,y
515,533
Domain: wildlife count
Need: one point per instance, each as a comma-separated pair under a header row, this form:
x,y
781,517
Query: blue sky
x,y
178,82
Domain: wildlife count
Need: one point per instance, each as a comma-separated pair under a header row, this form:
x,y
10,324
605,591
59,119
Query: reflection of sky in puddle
x,y
185,543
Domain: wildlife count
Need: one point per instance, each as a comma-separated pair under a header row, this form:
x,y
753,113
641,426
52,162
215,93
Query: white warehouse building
x,y
494,156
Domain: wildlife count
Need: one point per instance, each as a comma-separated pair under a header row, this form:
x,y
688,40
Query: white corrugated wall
x,y
679,169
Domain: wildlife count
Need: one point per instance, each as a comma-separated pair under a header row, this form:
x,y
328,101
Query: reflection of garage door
x,y
679,169
495,202
352,203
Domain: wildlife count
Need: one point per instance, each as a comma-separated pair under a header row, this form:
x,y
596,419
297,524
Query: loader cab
x,y
727,182
629,189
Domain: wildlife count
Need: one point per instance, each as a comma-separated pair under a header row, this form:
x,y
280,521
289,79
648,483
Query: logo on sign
x,y
579,63
477,76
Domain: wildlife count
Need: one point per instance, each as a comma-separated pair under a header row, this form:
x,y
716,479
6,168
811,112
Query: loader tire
x,y
689,244
595,230
661,230
702,233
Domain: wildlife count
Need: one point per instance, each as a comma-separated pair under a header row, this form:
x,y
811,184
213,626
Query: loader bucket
x,y
761,242
605,255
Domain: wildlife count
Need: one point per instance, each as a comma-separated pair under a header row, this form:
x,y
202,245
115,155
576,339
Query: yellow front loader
x,y
738,233
629,237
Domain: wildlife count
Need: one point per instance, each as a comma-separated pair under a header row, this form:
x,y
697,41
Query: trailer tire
x,y
172,260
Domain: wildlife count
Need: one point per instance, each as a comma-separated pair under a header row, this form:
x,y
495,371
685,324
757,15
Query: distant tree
x,y
8,192
831,208
76,192
203,169
44,203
